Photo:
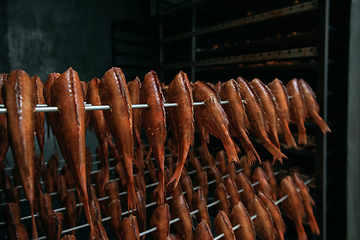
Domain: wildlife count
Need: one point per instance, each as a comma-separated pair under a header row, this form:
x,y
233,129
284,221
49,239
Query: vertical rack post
x,y
161,48
321,151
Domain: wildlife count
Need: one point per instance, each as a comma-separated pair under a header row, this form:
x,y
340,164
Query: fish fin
x,y
313,224
302,137
34,230
320,122
174,180
131,198
289,139
277,154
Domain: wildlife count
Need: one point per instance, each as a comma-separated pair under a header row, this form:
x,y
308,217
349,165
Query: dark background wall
x,y
50,36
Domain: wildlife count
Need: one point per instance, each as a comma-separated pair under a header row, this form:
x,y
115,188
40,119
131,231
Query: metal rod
x,y
89,107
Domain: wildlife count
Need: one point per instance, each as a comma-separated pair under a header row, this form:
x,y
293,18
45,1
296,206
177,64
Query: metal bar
x,y
253,57
303,7
89,107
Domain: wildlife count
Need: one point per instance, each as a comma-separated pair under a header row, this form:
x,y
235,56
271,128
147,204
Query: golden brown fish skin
x,y
53,165
312,107
66,94
242,182
100,233
161,220
235,111
231,170
203,231
141,212
70,210
69,179
297,109
240,216
45,206
180,209
47,97
199,203
181,120
221,195
68,237
266,99
154,123
113,191
11,212
264,226
114,209
101,130
308,202
114,92
95,209
101,192
275,214
222,225
264,186
39,117
269,170
53,225
218,86
293,205
19,97
245,166
256,118
130,229
187,186
120,173
282,101
203,183
213,117
4,140
152,171
48,180
215,174
17,231
220,158
232,190
61,187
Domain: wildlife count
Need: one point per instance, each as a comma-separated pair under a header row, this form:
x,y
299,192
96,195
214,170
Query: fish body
x,y
69,122
264,226
187,186
61,187
98,122
47,97
269,171
256,117
243,183
141,213
293,205
308,203
311,106
222,225
240,216
19,97
275,214
233,192
203,231
4,140
114,209
282,102
235,111
181,120
199,203
264,186
53,225
113,91
39,117
267,102
297,109
70,211
221,195
213,117
161,220
203,183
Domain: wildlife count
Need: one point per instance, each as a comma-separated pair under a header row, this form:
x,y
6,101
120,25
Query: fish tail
x,y
34,230
231,151
131,197
85,201
114,152
274,137
252,155
277,154
289,139
302,136
300,230
313,224
139,155
320,122
161,193
177,174
105,164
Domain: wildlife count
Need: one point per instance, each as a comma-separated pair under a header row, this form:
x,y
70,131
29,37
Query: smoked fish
x,y
69,124
308,203
4,140
269,170
264,186
243,183
293,205
311,106
213,117
113,91
266,99
47,97
297,109
161,220
39,116
181,120
199,203
235,111
282,101
19,97
240,216
222,225
154,122
203,231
